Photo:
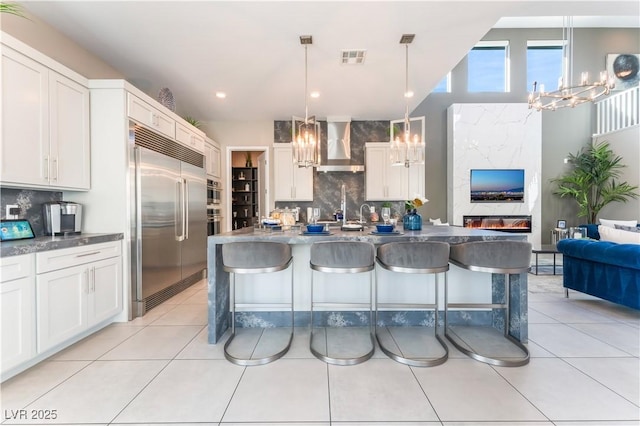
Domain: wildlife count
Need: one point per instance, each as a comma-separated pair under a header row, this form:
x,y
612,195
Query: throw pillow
x,y
618,235
613,223
628,228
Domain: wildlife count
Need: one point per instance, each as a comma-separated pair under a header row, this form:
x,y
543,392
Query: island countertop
x,y
449,234
493,286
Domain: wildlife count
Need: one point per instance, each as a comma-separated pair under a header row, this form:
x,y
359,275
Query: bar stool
x,y
255,257
496,257
425,257
343,257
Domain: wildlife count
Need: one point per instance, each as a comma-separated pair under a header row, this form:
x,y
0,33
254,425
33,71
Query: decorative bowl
x,y
384,228
315,228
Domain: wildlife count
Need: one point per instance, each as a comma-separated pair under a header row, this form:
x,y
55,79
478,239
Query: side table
x,y
546,249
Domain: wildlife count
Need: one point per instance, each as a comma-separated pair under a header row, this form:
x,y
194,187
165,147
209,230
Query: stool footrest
x,y
263,305
477,305
407,305
500,362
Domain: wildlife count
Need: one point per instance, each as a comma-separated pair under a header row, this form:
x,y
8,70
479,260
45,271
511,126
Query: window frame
x,y
555,44
497,44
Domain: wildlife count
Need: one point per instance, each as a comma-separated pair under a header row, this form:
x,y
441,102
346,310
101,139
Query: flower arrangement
x,y
412,205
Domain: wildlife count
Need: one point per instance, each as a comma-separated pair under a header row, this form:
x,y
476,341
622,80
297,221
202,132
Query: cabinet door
x,y
375,165
17,306
61,305
283,173
303,183
212,154
144,113
397,180
25,120
105,290
69,123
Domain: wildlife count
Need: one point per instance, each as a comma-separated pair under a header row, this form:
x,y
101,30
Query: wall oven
x,y
214,219
214,192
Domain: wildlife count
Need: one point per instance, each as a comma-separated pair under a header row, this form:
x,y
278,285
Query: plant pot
x,y
412,221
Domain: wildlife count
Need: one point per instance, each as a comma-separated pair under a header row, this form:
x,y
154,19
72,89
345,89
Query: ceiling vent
x,y
353,57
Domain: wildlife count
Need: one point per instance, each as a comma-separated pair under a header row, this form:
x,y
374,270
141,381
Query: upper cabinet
x,y
292,183
152,117
384,182
45,126
189,137
213,158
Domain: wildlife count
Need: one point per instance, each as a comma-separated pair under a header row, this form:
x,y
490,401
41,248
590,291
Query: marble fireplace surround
x,y
494,136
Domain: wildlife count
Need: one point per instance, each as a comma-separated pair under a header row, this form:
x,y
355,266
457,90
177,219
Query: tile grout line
x,y
413,373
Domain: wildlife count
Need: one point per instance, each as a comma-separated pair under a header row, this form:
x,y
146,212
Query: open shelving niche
x,y
244,202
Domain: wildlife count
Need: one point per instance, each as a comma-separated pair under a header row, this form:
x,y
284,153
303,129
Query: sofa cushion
x,y
618,235
592,231
624,255
613,223
628,228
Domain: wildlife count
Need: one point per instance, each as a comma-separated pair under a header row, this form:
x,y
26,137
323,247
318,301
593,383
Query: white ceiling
x,y
251,50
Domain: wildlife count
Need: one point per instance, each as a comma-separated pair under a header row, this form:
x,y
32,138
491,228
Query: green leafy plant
x,y
592,180
195,123
12,8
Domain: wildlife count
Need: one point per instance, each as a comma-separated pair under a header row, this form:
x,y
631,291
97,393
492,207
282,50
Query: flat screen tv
x,y
497,185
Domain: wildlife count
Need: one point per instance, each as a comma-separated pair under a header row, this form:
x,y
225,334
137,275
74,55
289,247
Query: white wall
x,y
625,144
494,136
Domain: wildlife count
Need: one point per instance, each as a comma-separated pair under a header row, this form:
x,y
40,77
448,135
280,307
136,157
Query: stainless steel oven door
x,y
214,195
214,221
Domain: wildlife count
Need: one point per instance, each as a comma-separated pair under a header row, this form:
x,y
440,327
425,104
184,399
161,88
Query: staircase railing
x,y
618,111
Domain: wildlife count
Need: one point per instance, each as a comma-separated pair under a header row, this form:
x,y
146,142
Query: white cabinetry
x,y
17,308
384,182
292,183
45,126
213,159
189,138
76,289
145,114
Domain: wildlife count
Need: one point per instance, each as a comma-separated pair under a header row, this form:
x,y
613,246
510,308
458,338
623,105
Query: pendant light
x,y
568,94
407,149
306,134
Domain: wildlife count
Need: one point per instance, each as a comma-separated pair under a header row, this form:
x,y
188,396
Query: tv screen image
x,y
497,186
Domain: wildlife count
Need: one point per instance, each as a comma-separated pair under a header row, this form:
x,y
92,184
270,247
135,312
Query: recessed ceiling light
x,y
315,94
408,94
221,95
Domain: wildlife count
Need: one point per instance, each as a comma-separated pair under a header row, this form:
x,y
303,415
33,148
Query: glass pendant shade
x,y
306,132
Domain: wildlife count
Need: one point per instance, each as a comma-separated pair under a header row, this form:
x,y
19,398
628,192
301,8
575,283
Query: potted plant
x,y
592,180
195,123
12,8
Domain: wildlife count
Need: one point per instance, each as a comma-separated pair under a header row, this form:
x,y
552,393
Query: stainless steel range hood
x,y
337,156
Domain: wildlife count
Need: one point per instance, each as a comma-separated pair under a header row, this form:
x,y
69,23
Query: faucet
x,y
362,217
343,203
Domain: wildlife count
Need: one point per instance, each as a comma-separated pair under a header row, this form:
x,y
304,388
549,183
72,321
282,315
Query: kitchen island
x,y
274,288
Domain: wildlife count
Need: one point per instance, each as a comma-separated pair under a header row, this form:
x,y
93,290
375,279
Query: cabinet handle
x,y
88,254
55,162
88,286
46,167
93,279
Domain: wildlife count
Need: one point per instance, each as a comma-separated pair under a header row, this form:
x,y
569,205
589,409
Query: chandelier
x,y
567,93
406,149
306,133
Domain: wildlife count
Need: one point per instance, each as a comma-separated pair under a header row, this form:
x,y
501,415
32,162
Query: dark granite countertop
x,y
35,245
450,234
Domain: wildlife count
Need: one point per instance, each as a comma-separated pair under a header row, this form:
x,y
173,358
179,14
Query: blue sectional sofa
x,y
603,269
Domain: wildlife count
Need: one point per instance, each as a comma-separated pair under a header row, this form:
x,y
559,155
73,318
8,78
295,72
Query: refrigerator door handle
x,y
180,210
186,209
138,219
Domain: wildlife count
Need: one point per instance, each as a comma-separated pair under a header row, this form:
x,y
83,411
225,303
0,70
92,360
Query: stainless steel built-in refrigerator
x,y
169,227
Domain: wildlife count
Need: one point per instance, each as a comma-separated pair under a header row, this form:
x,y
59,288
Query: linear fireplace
x,y
515,224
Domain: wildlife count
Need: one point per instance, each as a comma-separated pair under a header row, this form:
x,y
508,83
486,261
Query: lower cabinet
x,y
73,299
17,311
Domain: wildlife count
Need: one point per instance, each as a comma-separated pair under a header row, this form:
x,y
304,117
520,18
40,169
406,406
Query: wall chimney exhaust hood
x,y
336,156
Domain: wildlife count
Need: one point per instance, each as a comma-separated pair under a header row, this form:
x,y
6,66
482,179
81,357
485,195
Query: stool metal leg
x,y
343,361
412,361
501,362
232,309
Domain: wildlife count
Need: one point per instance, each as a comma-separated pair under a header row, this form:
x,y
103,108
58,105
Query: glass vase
x,y
412,221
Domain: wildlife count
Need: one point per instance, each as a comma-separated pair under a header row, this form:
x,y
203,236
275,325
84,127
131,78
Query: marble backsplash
x,y
326,185
30,203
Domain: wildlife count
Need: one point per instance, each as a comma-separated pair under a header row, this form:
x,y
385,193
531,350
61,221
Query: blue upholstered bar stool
x,y
255,257
496,257
425,257
343,257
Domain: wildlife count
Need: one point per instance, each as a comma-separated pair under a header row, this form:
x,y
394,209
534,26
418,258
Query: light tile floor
x,y
159,369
